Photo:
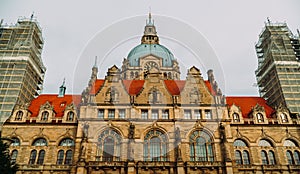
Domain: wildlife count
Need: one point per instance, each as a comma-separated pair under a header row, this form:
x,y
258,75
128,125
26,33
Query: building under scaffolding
x,y
278,73
21,67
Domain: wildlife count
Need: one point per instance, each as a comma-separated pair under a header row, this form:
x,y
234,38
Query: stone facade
x,y
153,124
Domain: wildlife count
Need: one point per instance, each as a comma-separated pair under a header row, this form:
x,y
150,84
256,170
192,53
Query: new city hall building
x,y
142,118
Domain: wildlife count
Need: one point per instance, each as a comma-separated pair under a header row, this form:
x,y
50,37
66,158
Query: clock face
x,y
150,65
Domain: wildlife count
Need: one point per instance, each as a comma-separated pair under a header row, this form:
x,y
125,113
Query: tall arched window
x,y
69,155
60,157
238,157
13,156
264,157
109,146
289,156
271,156
297,157
155,146
32,157
201,146
267,156
284,117
242,149
41,157
246,159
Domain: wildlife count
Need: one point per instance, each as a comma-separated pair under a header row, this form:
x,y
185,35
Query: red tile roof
x,y
96,86
208,85
59,103
133,87
174,86
247,103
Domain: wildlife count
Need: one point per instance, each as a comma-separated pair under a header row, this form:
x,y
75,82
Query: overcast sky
x,y
230,28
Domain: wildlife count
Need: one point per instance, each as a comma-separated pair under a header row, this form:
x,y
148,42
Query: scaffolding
x,y
21,67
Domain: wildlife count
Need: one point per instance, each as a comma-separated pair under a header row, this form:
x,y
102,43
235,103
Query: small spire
x,y
298,32
62,89
95,65
32,16
268,19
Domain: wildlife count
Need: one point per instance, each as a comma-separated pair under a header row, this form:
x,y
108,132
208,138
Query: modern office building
x,y
21,67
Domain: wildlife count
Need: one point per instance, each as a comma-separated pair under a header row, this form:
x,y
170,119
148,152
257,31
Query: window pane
x,y
67,142
40,142
144,114
154,114
238,157
264,143
187,114
246,159
264,158
296,157
271,158
68,159
239,143
32,157
236,117
122,113
14,155
15,142
60,157
108,149
289,143
165,114
208,114
41,157
111,113
197,114
70,116
289,157
101,113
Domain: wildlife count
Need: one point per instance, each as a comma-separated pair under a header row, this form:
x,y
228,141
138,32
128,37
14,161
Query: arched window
x,y
271,156
242,149
289,143
155,146
236,117
45,116
13,156
246,159
297,157
289,157
260,117
60,157
69,156
131,75
67,142
70,116
40,142
32,157
239,143
41,157
15,142
109,146
201,147
19,116
238,157
136,74
264,157
284,118
264,143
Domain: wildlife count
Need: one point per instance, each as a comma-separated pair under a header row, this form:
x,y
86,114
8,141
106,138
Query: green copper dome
x,y
157,50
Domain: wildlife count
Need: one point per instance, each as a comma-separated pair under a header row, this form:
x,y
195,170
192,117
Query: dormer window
x,y
236,117
70,116
284,118
19,116
45,116
260,117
